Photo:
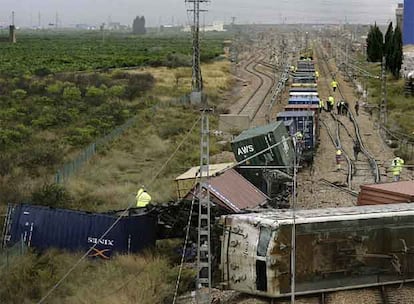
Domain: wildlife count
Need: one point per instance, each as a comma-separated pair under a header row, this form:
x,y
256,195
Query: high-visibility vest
x,y
316,74
331,100
321,103
398,164
334,84
143,198
299,135
396,170
338,152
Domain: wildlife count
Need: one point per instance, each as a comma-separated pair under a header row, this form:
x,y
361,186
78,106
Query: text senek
x,y
245,150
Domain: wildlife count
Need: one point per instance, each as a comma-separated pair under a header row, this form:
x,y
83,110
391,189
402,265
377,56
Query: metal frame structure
x,y
203,283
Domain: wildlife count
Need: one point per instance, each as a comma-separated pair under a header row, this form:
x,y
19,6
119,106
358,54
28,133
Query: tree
x,y
389,47
375,44
397,55
138,26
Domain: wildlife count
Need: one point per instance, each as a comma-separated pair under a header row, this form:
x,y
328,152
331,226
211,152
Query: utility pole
x,y
196,81
203,283
293,235
383,107
346,57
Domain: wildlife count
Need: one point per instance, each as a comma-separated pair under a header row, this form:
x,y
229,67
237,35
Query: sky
x,y
168,11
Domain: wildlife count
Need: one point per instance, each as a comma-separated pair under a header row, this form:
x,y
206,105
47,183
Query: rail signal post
x,y
203,283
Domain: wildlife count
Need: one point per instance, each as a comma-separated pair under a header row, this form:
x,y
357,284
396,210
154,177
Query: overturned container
x,y
44,227
261,149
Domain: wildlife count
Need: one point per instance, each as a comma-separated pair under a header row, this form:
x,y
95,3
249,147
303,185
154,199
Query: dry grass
x,y
177,82
111,180
126,279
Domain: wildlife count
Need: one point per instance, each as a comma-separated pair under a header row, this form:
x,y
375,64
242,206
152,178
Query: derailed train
x,y
271,170
336,249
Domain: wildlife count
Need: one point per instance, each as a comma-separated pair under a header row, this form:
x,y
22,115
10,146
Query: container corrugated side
x,y
44,227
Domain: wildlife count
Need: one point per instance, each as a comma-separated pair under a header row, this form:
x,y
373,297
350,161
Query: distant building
x,y
83,26
114,26
168,28
217,26
399,15
408,21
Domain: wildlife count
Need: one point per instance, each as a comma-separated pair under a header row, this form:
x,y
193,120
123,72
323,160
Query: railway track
x,y
256,100
361,170
371,159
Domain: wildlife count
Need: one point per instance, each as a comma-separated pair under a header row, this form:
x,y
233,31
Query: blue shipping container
x,y
408,27
45,227
290,127
304,122
305,100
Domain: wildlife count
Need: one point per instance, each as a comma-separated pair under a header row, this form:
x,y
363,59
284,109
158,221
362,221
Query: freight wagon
x,y
336,248
46,227
255,140
306,107
304,100
306,95
303,90
304,122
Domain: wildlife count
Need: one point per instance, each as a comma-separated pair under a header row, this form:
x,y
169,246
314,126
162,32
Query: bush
x,y
52,195
81,136
95,95
42,72
41,155
174,60
9,137
19,94
71,94
47,118
138,84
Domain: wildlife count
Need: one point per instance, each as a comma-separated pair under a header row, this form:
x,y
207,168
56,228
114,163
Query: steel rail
x,y
257,89
337,143
373,163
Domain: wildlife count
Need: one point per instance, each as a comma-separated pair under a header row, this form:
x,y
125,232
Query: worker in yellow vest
x,y
396,168
331,103
321,105
316,75
143,198
334,85
338,158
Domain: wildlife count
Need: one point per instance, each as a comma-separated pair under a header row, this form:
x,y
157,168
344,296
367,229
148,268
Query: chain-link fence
x,y
72,167
8,254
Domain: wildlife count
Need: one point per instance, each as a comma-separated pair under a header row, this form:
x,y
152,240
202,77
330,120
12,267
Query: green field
x,y
43,52
53,102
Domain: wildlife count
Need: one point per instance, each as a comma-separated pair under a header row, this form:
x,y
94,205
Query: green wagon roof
x,y
257,131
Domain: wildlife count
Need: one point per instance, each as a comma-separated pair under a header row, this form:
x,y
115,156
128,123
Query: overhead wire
x,y
177,284
124,213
